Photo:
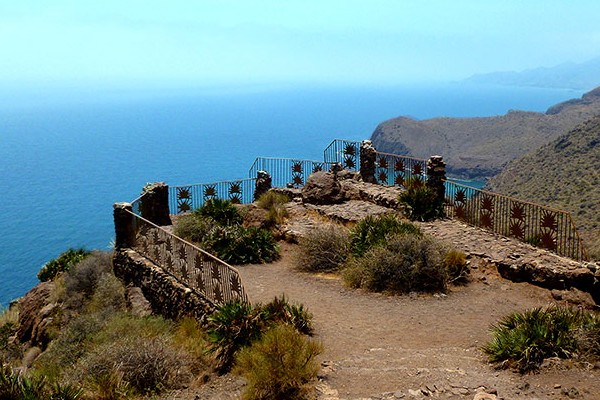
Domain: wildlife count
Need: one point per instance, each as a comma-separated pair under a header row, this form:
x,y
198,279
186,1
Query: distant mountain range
x,y
481,147
583,76
565,174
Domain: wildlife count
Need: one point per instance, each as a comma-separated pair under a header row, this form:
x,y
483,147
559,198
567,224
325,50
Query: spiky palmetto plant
x,y
523,340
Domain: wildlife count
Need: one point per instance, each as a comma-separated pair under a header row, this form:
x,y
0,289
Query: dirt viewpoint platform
x,y
418,346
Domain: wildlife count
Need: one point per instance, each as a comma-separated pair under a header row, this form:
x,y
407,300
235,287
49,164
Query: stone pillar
x,y
124,226
436,176
368,158
155,204
263,184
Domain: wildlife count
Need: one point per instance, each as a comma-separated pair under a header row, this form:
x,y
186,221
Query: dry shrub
x,y
280,365
9,350
69,346
192,228
406,263
455,262
144,365
325,248
193,339
273,202
276,215
109,295
271,198
374,231
84,276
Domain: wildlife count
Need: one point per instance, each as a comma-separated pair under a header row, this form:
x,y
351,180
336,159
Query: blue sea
x,y
65,159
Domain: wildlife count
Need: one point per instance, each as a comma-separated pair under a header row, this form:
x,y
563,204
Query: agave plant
x,y
233,326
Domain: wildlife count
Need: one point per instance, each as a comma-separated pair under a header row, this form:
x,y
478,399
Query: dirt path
x,y
385,347
409,347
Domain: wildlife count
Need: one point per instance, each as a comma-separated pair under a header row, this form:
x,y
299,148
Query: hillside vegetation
x,y
481,147
565,174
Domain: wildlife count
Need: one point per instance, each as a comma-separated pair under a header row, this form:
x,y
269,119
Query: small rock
x,y
414,393
460,391
485,396
557,386
571,393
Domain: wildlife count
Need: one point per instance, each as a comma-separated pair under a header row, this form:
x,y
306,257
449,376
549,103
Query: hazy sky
x,y
213,42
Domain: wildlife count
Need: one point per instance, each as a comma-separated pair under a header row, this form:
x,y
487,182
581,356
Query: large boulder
x,y
36,315
322,188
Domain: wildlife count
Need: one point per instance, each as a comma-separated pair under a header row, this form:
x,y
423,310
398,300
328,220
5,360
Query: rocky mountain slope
x,y
564,173
481,147
567,75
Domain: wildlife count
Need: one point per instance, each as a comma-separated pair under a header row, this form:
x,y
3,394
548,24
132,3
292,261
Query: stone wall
x,y
167,296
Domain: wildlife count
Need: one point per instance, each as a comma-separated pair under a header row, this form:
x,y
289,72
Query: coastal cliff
x,y
482,147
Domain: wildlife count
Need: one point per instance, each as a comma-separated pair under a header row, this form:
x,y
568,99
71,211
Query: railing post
x,y
436,176
124,225
155,204
368,157
263,184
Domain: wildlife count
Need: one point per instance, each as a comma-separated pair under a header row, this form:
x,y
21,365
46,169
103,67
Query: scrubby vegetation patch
x,y
323,249
373,231
280,365
404,264
236,325
523,340
62,263
217,228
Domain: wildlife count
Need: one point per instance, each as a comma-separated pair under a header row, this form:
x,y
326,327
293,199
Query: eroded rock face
x,y
323,188
36,314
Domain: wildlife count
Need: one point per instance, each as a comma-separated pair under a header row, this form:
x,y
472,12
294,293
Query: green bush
x,y
233,326
406,263
322,249
523,340
224,212
63,262
373,231
239,245
280,365
236,325
231,242
422,203
279,310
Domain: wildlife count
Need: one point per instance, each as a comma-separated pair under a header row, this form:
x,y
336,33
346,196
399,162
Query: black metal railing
x,y
287,172
208,276
186,198
344,152
396,170
538,225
